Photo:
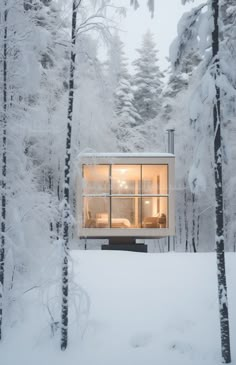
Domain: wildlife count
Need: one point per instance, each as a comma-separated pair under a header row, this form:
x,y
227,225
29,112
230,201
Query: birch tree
x,y
4,164
195,32
95,22
66,191
219,211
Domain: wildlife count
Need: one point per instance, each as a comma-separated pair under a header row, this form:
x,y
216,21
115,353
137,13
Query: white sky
x,y
163,25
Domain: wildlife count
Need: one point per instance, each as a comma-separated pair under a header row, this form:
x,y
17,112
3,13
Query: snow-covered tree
x,y
177,82
37,87
194,35
147,80
86,22
116,63
219,209
150,5
4,122
227,59
29,208
125,116
124,107
205,106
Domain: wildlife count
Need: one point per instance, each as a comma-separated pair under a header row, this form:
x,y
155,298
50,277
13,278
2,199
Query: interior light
x,y
147,202
123,170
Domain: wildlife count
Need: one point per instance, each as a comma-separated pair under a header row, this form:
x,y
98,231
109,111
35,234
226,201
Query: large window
x,y
125,196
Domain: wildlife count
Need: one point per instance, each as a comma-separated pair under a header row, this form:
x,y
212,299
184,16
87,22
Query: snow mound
x,y
144,309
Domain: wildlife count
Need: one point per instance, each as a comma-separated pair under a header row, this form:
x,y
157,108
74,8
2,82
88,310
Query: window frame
x,y
141,195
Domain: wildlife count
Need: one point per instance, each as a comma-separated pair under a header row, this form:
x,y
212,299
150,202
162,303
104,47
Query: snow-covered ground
x,y
144,309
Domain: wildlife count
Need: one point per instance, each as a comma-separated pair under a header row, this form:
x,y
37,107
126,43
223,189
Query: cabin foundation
x,y
125,244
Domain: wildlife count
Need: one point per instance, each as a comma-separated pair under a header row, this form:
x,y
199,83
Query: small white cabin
x,y
124,195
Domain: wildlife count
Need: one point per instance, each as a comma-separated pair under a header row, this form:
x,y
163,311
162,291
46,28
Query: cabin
x,y
125,196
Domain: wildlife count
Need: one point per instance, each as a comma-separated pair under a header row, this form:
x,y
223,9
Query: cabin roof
x,y
124,155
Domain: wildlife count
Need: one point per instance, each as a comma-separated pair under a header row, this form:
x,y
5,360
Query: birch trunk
x,y
66,211
221,275
4,167
180,229
185,216
198,228
194,223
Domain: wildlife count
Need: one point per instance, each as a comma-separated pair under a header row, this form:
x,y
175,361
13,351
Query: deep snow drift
x,y
144,309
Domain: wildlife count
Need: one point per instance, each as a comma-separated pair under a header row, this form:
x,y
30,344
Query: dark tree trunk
x,y
222,288
4,168
50,188
66,211
59,194
50,176
194,224
180,229
198,229
185,216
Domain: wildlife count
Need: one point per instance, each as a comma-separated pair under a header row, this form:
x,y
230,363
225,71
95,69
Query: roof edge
x,y
124,154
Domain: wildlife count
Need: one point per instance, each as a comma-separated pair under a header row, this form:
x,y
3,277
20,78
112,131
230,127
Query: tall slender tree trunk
x,y
66,211
50,188
59,193
50,177
4,168
222,288
198,228
194,223
185,216
180,228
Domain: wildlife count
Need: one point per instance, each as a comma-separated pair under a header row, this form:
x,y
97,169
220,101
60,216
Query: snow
x,y
144,309
124,155
191,33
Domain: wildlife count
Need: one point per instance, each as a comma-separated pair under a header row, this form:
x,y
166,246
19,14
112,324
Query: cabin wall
x,y
155,209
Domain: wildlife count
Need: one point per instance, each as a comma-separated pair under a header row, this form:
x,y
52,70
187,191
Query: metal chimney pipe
x,y
171,141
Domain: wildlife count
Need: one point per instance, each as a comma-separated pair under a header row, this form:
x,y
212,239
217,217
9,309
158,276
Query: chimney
x,y
171,141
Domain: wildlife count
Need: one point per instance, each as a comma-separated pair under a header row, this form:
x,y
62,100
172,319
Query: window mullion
x,y
110,203
141,193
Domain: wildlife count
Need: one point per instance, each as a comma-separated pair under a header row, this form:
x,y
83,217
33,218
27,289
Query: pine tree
x,y
147,80
116,64
126,116
125,113
124,101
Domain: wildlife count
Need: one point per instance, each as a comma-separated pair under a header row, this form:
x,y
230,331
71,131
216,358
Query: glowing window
x,y
125,196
